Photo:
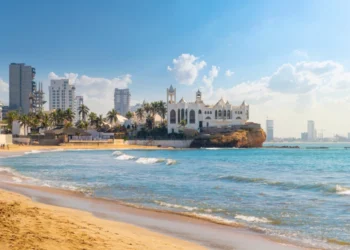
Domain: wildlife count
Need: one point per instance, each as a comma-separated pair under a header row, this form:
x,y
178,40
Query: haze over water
x,y
301,195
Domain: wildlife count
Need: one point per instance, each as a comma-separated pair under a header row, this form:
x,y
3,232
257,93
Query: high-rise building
x,y
269,130
311,131
122,101
37,99
21,86
61,95
79,100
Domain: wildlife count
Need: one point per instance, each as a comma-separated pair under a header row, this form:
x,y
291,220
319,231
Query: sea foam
x,y
169,205
252,219
125,157
342,190
144,160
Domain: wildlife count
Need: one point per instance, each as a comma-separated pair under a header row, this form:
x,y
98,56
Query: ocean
x,y
298,195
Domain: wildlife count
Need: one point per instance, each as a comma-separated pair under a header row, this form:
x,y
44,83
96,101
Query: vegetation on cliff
x,y
252,138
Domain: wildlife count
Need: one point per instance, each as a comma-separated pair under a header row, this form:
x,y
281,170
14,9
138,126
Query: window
x,y
192,116
228,114
208,118
216,114
178,116
219,113
199,112
238,118
224,113
182,114
172,116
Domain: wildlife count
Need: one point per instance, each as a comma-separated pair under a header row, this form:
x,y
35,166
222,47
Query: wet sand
x,y
202,231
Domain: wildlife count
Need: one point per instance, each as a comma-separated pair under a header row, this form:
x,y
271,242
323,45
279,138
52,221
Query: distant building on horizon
x,y
269,130
79,100
135,107
311,131
61,95
21,84
122,101
304,136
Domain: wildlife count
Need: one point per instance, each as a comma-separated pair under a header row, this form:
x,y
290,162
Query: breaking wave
x,y
144,160
117,153
342,190
124,157
252,219
327,188
171,162
169,205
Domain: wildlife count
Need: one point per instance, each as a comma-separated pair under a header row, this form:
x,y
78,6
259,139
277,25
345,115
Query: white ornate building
x,y
199,115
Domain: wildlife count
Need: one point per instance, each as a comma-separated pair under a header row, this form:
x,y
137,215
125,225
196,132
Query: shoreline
x,y
203,231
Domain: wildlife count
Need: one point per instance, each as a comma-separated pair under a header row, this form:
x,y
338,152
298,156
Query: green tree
x,y
92,119
99,121
162,109
129,115
83,111
11,116
112,116
82,124
140,114
69,115
146,107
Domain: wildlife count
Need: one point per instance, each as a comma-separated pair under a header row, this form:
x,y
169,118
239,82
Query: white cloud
x,y
295,93
4,91
208,80
301,53
186,68
98,92
229,73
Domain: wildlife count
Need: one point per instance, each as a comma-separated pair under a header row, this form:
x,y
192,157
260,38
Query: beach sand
x,y
25,224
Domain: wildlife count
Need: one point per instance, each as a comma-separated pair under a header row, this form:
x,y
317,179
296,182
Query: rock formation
x,y
250,138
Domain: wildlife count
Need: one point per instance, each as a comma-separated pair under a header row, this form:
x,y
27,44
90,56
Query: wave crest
x,y
342,190
125,157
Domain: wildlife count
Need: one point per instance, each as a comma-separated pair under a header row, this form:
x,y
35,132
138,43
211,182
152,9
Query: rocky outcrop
x,y
251,138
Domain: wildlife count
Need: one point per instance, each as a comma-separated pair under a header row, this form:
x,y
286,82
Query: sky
x,y
290,60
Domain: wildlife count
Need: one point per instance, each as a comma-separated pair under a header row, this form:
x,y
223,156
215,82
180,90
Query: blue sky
x,y
111,39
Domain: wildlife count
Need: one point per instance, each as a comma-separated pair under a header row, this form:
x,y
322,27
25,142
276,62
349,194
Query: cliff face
x,y
253,138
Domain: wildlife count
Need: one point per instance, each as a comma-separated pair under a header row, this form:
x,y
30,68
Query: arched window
x,y
192,116
199,112
219,113
208,118
216,114
224,113
238,118
172,116
228,114
182,114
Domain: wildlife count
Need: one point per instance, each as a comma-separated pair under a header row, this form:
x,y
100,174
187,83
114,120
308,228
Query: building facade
x,y
79,100
199,115
122,101
61,95
21,85
269,130
311,132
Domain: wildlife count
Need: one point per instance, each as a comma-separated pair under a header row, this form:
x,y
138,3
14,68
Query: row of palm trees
x,y
148,111
65,118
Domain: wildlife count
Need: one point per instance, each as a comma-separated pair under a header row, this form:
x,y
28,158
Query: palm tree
x,y
69,115
24,121
129,115
153,108
82,124
140,114
162,109
45,121
146,107
99,121
11,116
92,118
112,116
83,111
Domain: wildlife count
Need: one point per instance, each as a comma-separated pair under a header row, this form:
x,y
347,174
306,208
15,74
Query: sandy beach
x,y
25,224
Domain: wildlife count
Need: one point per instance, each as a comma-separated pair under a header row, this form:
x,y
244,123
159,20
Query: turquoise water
x,y
301,195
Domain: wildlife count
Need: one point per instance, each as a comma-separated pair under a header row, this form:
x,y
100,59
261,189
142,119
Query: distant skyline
x,y
288,59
